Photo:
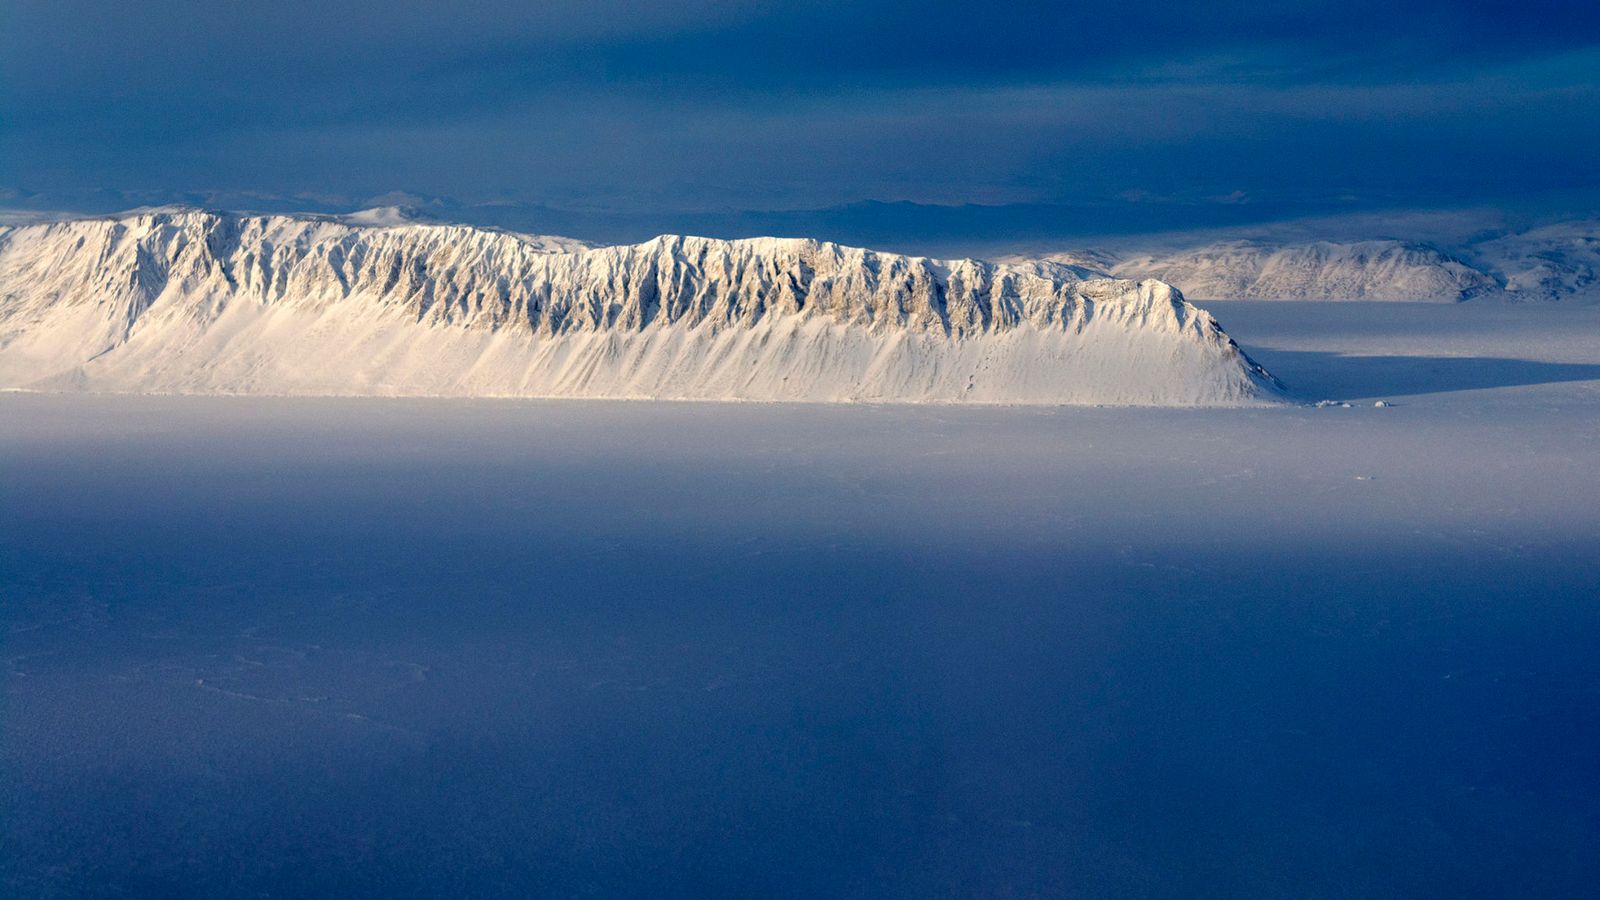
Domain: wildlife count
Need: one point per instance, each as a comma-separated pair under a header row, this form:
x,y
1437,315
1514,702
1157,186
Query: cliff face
x,y
193,301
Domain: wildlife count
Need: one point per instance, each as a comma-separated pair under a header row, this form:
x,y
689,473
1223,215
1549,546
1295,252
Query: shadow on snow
x,y
1316,374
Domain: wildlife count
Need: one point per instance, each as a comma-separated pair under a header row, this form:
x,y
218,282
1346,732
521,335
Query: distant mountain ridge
x,y
1322,270
1550,263
191,301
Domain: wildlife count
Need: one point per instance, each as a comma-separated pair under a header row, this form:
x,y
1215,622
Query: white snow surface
x,y
376,303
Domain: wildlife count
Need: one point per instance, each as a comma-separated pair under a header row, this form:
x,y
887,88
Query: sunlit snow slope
x,y
201,302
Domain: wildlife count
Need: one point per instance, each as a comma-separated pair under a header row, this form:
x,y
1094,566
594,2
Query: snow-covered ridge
x,y
1357,270
1549,263
1552,262
205,302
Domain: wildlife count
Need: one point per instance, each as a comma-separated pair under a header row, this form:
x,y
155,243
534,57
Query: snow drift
x,y
186,301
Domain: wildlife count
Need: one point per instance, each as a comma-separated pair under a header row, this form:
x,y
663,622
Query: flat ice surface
x,y
406,647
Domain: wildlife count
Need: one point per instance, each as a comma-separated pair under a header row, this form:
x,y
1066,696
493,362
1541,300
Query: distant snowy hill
x,y
1362,270
1555,262
377,303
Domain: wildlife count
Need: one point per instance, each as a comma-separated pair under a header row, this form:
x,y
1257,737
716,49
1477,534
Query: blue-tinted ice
x,y
282,647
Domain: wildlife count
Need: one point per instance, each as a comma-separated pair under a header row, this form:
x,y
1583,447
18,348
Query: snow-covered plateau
x,y
187,301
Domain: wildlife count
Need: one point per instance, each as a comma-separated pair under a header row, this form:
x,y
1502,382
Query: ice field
x,y
262,646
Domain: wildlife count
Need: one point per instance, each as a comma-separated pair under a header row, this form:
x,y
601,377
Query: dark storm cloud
x,y
660,107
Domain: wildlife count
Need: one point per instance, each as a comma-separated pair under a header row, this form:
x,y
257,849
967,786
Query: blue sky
x,y
1006,118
